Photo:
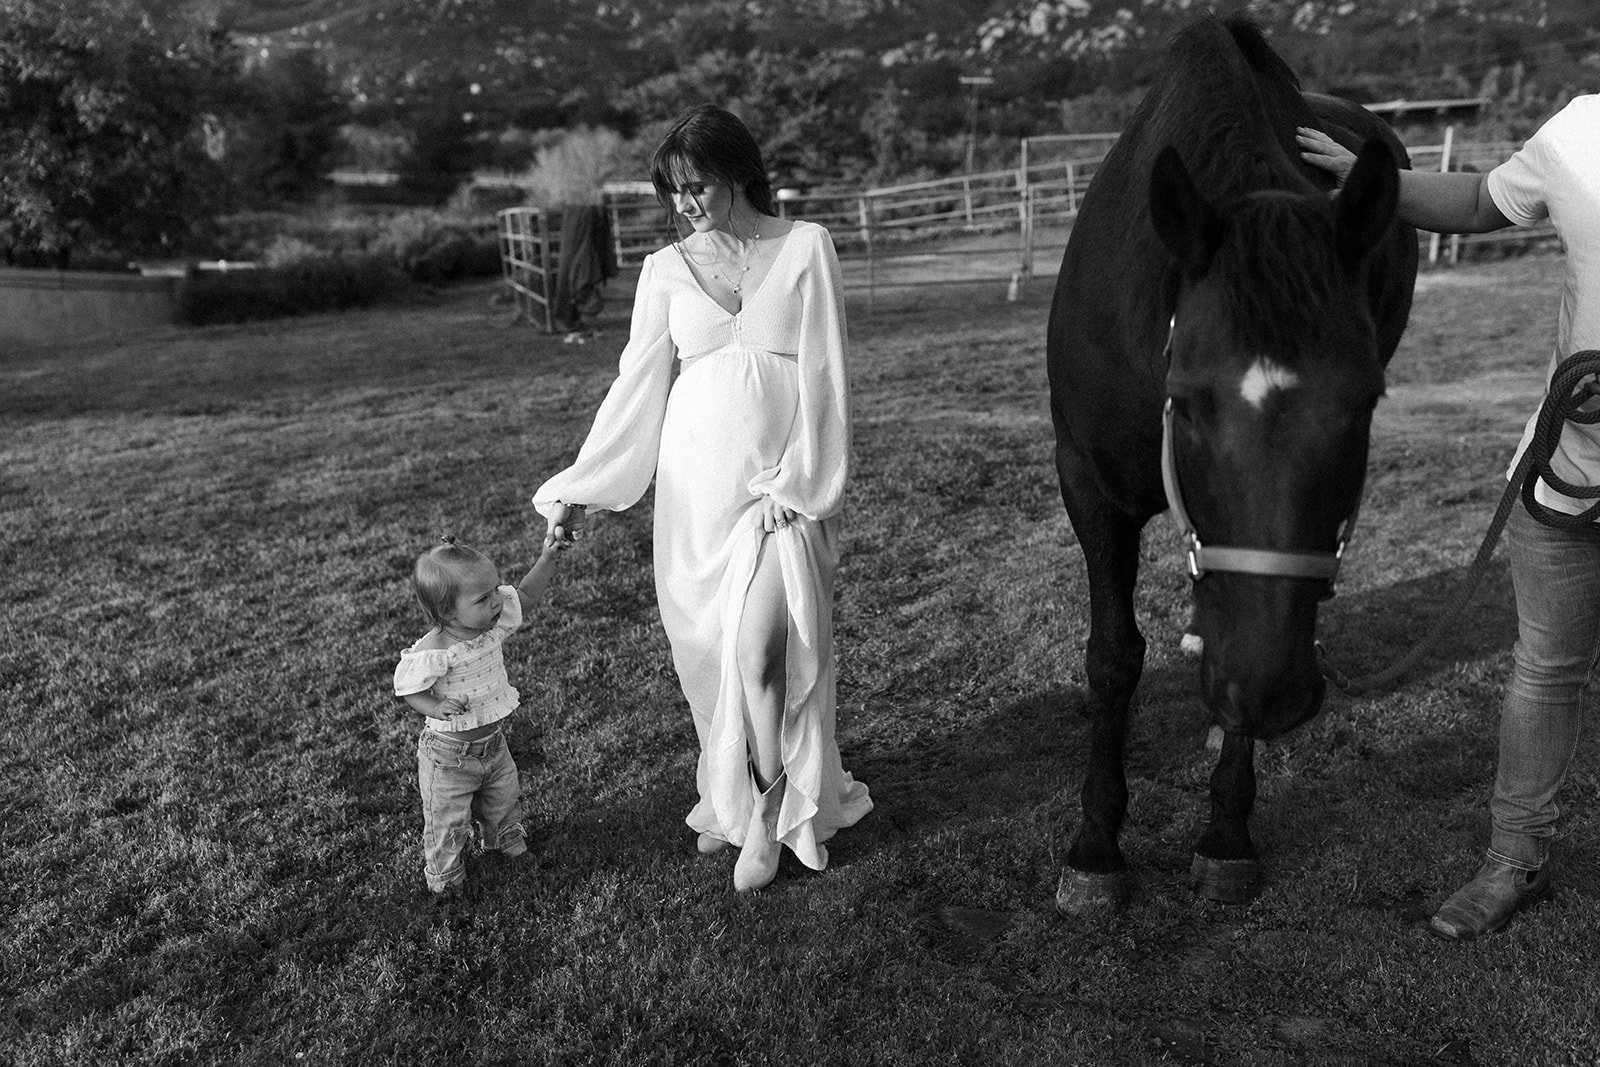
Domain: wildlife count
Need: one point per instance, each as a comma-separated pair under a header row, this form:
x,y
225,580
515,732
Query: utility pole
x,y
974,82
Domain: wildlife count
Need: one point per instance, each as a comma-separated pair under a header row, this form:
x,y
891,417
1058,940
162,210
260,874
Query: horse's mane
x,y
1229,104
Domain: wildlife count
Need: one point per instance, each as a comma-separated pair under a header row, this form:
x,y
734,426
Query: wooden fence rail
x,y
996,226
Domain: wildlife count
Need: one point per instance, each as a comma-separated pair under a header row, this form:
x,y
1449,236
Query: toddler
x,y
455,677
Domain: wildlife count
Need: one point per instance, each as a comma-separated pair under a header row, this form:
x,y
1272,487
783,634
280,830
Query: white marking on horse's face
x,y
1263,377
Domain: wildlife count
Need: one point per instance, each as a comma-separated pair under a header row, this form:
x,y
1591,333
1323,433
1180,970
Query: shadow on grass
x,y
1031,752
934,780
1026,755
1367,632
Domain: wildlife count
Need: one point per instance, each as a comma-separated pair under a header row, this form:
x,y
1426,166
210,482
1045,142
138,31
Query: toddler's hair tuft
x,y
436,578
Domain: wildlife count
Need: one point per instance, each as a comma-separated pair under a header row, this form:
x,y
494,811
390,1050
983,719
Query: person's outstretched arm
x,y
1447,202
536,582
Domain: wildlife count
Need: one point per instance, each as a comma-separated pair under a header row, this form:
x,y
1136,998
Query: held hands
x,y
1323,152
563,526
774,516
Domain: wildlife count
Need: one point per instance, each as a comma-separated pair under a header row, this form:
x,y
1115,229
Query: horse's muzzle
x,y
1262,710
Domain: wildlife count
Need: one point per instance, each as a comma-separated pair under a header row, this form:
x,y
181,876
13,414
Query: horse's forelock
x,y
1277,255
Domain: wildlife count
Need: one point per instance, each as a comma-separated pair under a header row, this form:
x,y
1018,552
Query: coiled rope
x,y
1571,386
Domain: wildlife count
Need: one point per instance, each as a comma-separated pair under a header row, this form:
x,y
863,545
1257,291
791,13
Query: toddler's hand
x,y
450,708
564,523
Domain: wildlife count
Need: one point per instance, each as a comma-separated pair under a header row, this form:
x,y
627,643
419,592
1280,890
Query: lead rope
x,y
1567,393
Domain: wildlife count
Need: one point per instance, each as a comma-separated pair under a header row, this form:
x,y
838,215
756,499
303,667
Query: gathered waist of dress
x,y
686,359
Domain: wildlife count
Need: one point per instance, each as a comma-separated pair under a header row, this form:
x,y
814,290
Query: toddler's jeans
x,y
462,783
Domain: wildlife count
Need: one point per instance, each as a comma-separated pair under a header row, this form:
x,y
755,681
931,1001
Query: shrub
x,y
439,157
373,148
296,286
573,170
425,245
249,235
328,260
433,246
286,251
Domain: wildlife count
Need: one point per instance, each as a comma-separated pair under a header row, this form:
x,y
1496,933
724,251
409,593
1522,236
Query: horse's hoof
x,y
1225,881
1081,893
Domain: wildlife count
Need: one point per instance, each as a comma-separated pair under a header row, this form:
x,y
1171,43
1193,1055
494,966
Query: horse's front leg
x,y
1225,867
1095,878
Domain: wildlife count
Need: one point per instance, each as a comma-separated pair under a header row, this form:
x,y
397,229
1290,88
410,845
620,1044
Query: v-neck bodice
x,y
772,315
743,294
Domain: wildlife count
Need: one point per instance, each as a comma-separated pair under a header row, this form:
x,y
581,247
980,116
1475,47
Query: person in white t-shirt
x,y
1555,564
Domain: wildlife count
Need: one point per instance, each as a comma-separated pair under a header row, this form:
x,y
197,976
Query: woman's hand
x,y
1323,152
774,516
564,523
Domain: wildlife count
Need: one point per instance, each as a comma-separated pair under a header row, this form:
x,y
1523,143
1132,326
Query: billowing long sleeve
x,y
811,476
618,458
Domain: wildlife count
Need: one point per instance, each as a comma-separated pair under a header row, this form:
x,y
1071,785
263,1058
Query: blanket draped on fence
x,y
587,258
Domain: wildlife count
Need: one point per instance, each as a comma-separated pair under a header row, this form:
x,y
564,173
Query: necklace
x,y
736,281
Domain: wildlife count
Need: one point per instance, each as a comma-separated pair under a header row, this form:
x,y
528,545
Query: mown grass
x,y
211,828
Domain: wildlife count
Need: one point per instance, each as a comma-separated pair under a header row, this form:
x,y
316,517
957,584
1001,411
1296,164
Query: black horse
x,y
1211,276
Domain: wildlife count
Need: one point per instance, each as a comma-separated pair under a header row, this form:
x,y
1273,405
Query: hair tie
x,y
448,539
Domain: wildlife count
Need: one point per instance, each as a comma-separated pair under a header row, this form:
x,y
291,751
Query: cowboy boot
x,y
758,859
1486,904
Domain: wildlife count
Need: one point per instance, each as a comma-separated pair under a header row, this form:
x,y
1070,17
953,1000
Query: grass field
x,y
210,822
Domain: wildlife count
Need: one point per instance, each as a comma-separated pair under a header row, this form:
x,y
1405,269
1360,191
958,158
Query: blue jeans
x,y
1557,578
465,783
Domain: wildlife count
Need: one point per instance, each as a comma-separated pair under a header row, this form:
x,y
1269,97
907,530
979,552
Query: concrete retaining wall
x,y
57,305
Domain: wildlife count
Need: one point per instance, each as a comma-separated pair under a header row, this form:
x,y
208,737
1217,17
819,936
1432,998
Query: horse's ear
x,y
1366,205
1186,224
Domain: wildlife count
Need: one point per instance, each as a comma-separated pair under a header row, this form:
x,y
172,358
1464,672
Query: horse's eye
x,y
1190,407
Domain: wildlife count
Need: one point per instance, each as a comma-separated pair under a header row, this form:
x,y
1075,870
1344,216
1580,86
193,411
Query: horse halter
x,y
1268,562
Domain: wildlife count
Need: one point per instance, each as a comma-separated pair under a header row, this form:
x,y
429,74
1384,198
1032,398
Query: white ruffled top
x,y
473,672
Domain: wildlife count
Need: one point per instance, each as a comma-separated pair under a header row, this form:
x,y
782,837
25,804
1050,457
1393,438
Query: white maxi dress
x,y
759,407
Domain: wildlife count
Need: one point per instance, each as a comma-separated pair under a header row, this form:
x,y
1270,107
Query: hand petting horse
x,y
1215,287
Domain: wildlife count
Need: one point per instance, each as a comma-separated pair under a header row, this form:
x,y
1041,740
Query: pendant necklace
x,y
736,282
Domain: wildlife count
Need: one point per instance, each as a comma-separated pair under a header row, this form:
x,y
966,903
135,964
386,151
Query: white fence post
x,y
865,205
1025,218
1444,165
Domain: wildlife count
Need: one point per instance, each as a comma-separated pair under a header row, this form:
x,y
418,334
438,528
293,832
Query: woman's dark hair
x,y
712,142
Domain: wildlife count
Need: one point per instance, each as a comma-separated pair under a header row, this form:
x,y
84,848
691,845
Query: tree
x,y
804,111
439,158
103,116
288,135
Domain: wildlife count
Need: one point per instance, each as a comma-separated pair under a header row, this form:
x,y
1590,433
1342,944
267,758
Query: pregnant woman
x,y
749,447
